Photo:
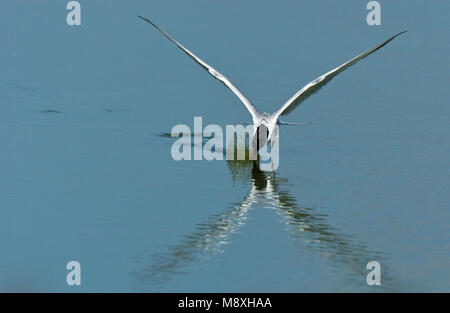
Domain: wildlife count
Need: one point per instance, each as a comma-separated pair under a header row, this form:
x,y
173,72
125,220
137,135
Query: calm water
x,y
86,176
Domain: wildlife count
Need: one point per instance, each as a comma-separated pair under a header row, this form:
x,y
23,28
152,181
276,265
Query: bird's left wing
x,y
319,82
210,69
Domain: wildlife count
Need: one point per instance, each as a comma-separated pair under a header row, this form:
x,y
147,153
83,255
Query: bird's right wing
x,y
210,69
319,82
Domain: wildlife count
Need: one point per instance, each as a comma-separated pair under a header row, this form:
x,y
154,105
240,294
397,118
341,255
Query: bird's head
x,y
264,130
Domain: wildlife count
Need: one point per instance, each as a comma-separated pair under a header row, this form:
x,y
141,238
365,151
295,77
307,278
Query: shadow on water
x,y
307,226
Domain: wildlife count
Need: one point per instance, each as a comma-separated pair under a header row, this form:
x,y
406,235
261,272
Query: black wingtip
x,y
392,38
147,20
144,19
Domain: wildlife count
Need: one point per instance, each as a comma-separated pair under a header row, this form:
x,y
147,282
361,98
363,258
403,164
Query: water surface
x,y
86,176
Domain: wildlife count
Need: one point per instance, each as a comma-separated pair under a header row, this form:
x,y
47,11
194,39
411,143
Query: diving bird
x,y
264,123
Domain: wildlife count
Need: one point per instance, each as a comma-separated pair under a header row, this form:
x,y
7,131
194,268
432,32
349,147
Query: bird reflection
x,y
307,226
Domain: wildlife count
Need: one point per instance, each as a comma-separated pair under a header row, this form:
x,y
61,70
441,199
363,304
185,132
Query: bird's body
x,y
265,123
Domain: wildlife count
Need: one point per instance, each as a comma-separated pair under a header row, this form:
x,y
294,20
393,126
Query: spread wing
x,y
321,81
210,70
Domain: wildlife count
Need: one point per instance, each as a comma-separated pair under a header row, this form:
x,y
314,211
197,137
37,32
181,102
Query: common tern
x,y
264,123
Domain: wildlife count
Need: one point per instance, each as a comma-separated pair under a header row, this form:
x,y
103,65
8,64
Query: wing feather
x,y
210,69
314,86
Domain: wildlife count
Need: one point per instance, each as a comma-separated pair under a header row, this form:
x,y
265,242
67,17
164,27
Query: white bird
x,y
264,123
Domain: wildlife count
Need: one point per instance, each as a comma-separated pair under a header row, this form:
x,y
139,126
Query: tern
x,y
265,123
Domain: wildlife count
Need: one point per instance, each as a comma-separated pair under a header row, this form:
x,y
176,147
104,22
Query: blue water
x,y
86,176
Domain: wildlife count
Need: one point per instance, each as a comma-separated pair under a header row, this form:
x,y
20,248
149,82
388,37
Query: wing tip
x,y
145,19
400,33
